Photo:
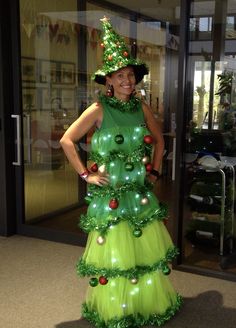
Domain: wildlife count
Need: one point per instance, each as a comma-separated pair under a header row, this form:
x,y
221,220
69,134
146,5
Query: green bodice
x,y
119,144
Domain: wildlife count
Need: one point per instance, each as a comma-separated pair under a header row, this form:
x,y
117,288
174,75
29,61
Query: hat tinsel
x,y
116,55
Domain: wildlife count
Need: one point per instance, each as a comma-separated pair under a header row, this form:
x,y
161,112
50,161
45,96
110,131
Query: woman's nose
x,y
128,78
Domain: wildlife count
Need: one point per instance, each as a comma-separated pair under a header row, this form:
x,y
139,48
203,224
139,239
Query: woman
x,y
128,247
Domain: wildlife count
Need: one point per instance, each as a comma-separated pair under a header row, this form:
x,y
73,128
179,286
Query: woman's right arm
x,y
90,117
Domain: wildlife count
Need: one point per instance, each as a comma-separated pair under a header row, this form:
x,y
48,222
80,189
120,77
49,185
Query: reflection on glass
x,y
61,50
50,104
210,153
202,89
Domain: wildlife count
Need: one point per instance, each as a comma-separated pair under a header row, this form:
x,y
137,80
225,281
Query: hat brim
x,y
140,69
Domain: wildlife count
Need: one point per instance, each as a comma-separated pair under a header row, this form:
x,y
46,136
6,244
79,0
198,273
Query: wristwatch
x,y
155,173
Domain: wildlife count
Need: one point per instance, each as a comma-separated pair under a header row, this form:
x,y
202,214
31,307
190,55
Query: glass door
x,y
51,101
208,230
60,50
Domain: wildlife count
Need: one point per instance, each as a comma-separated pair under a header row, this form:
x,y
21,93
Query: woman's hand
x,y
97,179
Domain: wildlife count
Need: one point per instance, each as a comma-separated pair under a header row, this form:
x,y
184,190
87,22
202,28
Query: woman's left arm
x,y
155,130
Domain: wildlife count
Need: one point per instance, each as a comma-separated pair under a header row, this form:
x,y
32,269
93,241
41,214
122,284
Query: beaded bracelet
x,y
84,175
155,173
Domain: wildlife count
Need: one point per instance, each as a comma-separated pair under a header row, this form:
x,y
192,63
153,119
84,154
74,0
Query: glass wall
x,y
210,139
60,50
50,102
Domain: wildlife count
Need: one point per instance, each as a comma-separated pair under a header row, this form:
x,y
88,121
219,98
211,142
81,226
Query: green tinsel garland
x,y
135,156
88,224
84,269
107,190
132,321
123,106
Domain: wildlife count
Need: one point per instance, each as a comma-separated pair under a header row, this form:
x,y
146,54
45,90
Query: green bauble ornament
x,y
166,270
119,139
93,282
129,166
88,199
137,232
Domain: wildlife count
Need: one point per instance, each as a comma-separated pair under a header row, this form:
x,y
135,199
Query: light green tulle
x,y
152,294
122,249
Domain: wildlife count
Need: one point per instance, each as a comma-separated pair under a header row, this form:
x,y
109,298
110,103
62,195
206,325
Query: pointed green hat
x,y
116,55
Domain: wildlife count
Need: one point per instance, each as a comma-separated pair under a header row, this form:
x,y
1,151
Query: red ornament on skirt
x,y
103,280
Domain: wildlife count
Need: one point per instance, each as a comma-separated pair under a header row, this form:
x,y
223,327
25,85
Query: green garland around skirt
x,y
88,224
131,321
83,269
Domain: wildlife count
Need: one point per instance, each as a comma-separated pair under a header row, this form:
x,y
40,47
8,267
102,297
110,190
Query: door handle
x,y
18,140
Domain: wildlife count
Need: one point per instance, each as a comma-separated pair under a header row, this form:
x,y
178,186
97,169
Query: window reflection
x,y
210,153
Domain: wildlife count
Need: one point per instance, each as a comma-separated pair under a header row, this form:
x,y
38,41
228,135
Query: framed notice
x,y
67,73
28,69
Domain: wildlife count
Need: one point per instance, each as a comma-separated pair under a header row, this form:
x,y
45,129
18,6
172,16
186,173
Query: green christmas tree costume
x,y
128,248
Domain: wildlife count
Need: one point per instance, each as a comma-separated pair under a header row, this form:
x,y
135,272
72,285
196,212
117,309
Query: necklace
x,y
123,106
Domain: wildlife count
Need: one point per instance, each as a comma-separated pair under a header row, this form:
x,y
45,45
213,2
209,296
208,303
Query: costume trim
x,y
123,106
90,223
107,190
84,269
135,156
132,321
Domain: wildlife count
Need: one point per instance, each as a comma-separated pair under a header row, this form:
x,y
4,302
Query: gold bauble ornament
x,y
144,201
102,169
134,281
100,240
145,160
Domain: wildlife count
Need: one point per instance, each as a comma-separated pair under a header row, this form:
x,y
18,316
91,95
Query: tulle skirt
x,y
137,290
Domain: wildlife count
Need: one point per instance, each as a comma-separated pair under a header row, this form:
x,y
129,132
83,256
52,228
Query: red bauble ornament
x,y
113,204
148,167
102,45
103,280
148,139
94,167
110,57
125,53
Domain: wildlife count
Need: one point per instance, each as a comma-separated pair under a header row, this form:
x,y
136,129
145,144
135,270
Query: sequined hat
x,y
116,55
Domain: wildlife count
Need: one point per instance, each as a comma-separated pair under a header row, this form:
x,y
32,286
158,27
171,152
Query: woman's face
x,y
123,82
